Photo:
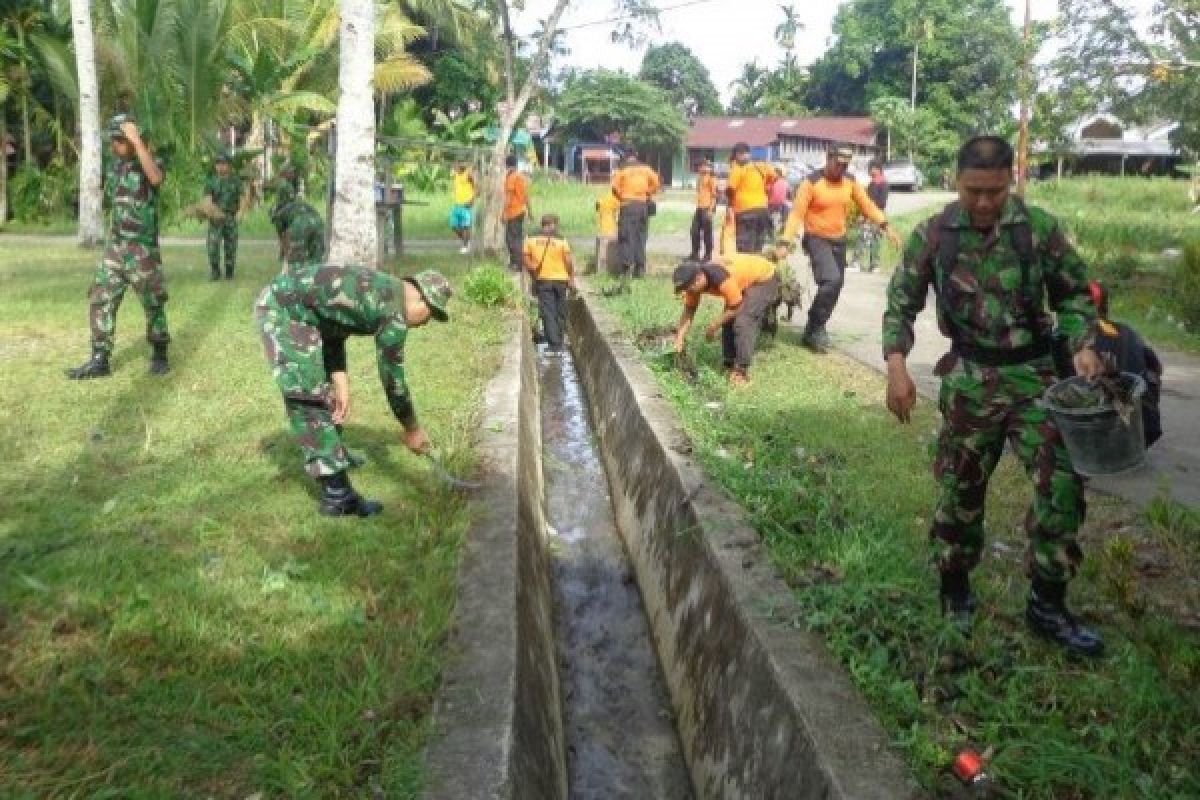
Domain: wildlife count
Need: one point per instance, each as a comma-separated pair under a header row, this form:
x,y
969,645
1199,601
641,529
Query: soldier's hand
x,y
1088,364
417,441
341,398
130,130
901,392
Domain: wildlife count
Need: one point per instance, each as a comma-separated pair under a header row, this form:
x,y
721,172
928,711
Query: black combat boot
x,y
1047,616
338,498
158,361
817,340
95,367
958,603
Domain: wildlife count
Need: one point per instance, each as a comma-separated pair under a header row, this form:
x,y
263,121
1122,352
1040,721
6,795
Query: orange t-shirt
x,y
706,191
749,183
636,184
516,195
546,258
822,208
745,270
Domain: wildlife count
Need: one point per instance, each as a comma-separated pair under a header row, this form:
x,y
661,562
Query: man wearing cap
x,y
225,190
749,285
302,234
749,184
635,185
550,262
131,255
822,207
706,206
306,315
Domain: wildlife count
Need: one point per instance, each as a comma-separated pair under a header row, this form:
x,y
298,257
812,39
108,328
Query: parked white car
x,y
903,175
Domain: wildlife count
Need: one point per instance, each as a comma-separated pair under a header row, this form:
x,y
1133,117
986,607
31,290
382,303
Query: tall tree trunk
x,y
91,225
3,167
354,233
27,131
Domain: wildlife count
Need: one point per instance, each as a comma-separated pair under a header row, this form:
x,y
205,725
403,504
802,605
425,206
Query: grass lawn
x,y
429,217
175,618
841,495
1124,228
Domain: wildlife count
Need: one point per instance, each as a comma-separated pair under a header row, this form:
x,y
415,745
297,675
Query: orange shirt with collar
x,y
636,184
706,191
749,183
548,258
516,194
745,270
823,206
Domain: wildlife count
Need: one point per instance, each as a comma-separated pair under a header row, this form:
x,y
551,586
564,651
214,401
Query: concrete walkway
x,y
1173,463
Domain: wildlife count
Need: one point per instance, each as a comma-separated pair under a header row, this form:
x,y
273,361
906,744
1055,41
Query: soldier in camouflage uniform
x,y
225,188
302,233
991,260
131,255
305,314
286,188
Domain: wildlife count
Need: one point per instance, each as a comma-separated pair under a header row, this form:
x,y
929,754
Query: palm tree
x,y
354,233
91,231
785,32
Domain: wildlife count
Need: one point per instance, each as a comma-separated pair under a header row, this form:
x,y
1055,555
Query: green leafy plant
x,y
490,286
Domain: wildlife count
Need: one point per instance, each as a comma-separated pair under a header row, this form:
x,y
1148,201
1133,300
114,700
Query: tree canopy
x,y
596,103
676,70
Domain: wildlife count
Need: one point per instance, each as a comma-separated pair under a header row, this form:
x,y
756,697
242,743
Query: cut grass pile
x,y
841,495
175,618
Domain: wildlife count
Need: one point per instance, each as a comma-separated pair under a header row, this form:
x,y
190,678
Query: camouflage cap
x,y
113,129
435,291
223,156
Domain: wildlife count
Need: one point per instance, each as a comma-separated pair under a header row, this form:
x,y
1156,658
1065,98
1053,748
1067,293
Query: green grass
x,y
428,218
1122,226
175,618
841,495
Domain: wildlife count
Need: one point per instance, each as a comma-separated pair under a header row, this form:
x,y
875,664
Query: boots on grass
x,y
1047,616
817,340
338,498
95,367
958,603
158,360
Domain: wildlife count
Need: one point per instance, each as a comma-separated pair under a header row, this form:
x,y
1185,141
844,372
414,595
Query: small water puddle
x,y
620,732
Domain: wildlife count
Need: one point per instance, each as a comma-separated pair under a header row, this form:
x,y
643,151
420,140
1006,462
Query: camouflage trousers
x,y
292,342
224,233
982,408
127,265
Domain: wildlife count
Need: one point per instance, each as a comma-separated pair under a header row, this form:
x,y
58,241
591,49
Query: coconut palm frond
x,y
400,74
59,64
292,102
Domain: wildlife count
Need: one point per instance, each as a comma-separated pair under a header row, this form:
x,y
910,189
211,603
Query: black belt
x,y
1002,357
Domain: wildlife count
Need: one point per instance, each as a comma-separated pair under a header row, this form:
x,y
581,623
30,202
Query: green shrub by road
x,y
841,495
175,619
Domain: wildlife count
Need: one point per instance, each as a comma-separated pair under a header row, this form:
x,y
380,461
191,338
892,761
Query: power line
x,y
630,16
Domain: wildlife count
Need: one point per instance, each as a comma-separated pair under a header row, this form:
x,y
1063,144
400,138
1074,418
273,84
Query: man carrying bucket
x,y
990,259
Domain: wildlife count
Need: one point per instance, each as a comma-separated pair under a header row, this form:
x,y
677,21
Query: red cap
x,y
1099,295
968,765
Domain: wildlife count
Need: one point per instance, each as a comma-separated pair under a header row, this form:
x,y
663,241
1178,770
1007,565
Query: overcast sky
x,y
705,25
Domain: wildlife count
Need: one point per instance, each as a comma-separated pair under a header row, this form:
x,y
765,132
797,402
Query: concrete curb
x,y
498,720
763,711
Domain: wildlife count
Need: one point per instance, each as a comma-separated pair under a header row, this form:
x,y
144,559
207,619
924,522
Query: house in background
x,y
1102,145
781,140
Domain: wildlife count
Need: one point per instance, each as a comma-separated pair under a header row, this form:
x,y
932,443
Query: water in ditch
x,y
620,733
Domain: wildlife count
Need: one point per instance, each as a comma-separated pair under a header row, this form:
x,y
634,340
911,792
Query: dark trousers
x,y
702,231
828,258
739,336
633,228
514,240
753,230
552,307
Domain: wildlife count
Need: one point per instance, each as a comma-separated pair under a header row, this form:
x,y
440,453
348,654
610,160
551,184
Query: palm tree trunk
x,y
27,133
3,167
354,230
91,225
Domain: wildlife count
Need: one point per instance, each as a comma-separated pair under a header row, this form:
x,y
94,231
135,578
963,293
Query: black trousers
x,y
702,232
739,336
552,306
514,240
633,229
828,258
753,230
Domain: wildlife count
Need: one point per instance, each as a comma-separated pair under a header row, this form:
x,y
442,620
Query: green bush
x,y
44,195
1187,284
490,286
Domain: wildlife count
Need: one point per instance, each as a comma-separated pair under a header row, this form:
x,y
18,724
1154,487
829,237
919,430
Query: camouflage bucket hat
x,y
113,129
435,291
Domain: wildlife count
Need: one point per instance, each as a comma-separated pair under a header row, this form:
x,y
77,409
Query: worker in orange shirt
x,y
517,207
823,204
608,207
634,185
749,182
706,206
749,285
548,259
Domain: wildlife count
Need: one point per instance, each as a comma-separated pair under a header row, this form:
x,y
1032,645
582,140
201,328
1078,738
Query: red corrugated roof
x,y
725,132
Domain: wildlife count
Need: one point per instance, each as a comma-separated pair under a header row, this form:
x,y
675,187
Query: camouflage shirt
x,y
286,192
354,301
133,202
225,192
983,294
303,233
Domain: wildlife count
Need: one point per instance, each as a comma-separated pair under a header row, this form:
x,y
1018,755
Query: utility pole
x,y
1026,91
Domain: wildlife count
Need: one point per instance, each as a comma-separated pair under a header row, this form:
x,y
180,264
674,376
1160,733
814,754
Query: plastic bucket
x,y
1098,440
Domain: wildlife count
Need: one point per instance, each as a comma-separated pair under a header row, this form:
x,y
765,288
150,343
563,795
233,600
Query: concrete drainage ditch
x,y
552,689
